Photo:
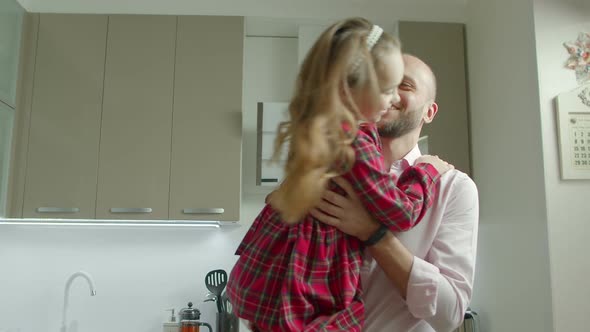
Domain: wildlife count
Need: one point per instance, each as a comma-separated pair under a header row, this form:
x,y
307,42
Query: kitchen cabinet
x,y
6,120
129,117
136,130
11,17
205,177
270,70
442,47
64,123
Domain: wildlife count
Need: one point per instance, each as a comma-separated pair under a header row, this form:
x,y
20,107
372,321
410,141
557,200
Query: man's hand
x,y
349,215
345,213
440,165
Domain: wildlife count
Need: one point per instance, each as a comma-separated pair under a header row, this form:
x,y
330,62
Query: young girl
x,y
295,273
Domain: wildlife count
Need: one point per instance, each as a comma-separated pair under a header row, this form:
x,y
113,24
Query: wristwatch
x,y
376,236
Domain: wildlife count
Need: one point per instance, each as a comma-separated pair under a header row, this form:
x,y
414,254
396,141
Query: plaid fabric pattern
x,y
306,277
398,204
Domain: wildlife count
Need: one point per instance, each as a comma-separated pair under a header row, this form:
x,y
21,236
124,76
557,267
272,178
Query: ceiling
x,y
441,10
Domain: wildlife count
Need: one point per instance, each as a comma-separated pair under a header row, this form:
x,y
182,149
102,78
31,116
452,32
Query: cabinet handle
x,y
269,180
131,210
46,209
203,211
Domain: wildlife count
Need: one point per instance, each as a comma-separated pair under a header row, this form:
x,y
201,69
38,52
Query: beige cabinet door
x,y
134,163
205,181
64,123
6,121
11,18
442,46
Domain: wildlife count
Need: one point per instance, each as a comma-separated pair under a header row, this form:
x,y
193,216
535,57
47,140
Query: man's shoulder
x,y
457,201
458,181
457,176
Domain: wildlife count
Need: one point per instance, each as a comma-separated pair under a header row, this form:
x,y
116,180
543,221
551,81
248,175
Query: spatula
x,y
215,281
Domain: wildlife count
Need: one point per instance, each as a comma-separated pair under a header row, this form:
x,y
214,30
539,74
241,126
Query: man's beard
x,y
407,121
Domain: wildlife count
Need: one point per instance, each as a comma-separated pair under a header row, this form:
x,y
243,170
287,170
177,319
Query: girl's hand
x,y
268,197
440,165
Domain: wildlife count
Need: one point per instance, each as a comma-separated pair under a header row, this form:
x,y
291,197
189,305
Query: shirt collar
x,y
407,160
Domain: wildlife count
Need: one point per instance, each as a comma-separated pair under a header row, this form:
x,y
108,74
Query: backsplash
x,y
138,273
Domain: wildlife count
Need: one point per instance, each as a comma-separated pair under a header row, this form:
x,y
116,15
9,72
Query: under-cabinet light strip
x,y
117,223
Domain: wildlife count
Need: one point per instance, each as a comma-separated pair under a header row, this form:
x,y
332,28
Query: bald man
x,y
420,280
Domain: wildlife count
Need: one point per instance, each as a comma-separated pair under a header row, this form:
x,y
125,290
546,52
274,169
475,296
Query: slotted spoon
x,y
215,281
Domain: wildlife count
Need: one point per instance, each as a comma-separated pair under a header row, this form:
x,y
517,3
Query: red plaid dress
x,y
306,277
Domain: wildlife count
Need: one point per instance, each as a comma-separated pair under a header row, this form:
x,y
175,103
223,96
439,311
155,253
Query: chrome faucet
x,y
67,293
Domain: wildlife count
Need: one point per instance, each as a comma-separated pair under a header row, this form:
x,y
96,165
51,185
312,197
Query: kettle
x,y
189,319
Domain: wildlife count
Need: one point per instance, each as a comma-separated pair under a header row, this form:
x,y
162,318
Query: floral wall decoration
x,y
579,60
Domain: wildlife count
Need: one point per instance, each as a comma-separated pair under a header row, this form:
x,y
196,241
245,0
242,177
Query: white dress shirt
x,y
441,280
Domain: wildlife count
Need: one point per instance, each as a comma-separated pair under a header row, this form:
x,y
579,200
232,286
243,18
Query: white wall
x,y
138,274
556,22
512,287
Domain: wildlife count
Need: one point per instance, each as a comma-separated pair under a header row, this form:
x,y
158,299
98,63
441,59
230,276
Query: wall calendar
x,y
573,109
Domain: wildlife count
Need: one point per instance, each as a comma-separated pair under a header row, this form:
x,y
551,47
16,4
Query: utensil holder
x,y
227,322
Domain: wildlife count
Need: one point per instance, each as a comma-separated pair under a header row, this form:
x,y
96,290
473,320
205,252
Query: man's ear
x,y
430,112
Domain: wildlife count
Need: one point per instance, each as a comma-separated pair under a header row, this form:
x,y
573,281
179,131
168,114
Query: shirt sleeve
x,y
398,204
440,287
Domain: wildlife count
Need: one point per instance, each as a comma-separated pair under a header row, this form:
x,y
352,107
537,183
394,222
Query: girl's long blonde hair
x,y
336,79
